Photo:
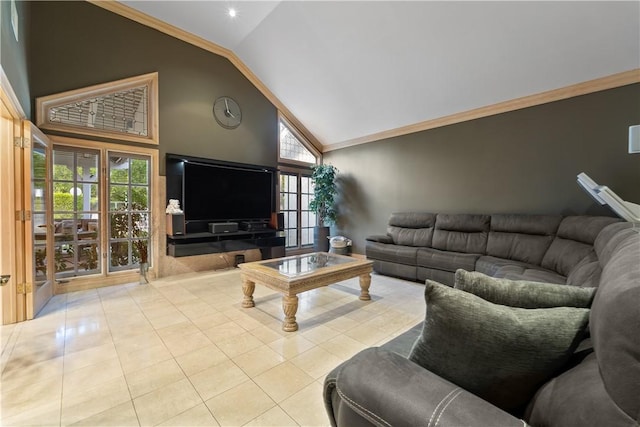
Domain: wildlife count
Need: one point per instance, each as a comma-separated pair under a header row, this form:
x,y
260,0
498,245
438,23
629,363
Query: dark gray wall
x,y
13,54
524,161
77,44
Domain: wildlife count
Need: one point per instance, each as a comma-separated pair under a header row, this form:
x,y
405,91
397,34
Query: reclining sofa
x,y
599,385
545,248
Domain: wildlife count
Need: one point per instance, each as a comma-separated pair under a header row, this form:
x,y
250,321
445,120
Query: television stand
x,y
270,242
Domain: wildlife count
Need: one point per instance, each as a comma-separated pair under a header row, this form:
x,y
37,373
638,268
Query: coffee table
x,y
295,274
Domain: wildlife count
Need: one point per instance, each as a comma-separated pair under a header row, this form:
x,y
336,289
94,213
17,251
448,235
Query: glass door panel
x,y
129,211
39,230
76,212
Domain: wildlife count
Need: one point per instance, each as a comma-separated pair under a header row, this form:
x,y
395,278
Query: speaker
x,y
634,139
223,227
175,224
277,221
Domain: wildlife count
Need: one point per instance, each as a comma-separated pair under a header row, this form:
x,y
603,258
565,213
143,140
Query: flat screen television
x,y
217,191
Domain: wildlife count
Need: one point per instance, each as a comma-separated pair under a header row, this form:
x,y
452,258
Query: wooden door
x,y
9,129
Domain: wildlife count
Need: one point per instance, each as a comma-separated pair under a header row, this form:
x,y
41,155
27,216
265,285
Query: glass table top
x,y
307,263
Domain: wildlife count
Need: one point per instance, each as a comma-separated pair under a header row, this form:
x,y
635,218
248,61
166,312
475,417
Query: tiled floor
x,y
183,352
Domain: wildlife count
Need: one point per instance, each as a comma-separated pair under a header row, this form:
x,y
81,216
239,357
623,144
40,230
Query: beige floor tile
x,y
223,331
343,346
307,406
120,415
201,359
194,417
22,400
366,334
240,404
217,379
319,334
90,356
183,328
168,320
154,377
21,371
258,360
40,414
317,362
134,360
183,344
292,345
166,402
283,381
266,334
210,320
78,404
238,344
93,375
274,417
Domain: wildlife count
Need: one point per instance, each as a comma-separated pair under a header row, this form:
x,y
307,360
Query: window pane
x,y
87,167
292,148
284,180
140,224
119,253
306,239
119,223
118,170
139,171
40,262
283,202
86,197
118,197
63,165
88,258
292,240
39,163
64,258
293,220
140,198
293,184
293,201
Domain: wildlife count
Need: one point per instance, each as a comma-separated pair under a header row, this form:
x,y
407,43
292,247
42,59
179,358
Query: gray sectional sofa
x,y
598,385
546,248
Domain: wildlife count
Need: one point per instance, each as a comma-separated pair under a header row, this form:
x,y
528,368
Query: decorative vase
x,y
320,239
144,268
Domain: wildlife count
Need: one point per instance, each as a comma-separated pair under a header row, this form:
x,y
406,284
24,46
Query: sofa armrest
x,y
377,387
380,238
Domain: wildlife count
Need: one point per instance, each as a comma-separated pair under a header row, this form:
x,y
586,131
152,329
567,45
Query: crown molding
x,y
584,88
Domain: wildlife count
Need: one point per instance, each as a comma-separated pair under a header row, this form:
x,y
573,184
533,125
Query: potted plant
x,y
324,191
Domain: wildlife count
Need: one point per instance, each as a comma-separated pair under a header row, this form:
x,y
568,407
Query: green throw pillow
x,y
502,354
521,293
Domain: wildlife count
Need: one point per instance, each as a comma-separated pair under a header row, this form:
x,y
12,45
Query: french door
x,y
38,228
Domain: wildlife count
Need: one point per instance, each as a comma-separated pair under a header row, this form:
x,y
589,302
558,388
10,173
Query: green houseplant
x,y
323,203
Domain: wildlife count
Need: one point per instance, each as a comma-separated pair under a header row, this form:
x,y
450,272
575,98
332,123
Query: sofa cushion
x,y
615,324
444,260
573,242
410,236
523,238
502,354
518,272
586,272
522,293
490,265
461,233
392,253
411,228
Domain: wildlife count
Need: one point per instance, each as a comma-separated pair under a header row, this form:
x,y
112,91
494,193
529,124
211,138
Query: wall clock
x,y
227,112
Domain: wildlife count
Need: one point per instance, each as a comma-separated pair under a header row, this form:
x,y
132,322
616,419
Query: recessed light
x,y
232,12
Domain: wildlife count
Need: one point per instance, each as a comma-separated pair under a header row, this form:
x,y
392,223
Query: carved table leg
x,y
365,282
290,307
248,287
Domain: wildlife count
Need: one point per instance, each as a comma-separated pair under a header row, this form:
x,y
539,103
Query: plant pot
x,y
320,239
144,268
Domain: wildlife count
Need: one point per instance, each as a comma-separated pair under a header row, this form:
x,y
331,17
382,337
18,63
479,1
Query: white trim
x,y
8,90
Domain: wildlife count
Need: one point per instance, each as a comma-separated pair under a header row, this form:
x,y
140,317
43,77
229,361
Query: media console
x,y
270,242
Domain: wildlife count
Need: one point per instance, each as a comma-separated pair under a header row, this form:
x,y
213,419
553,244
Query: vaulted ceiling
x,y
352,70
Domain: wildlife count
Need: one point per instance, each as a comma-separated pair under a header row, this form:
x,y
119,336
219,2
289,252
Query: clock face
x,y
227,112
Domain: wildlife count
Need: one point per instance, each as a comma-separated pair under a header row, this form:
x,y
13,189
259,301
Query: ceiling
x,y
351,69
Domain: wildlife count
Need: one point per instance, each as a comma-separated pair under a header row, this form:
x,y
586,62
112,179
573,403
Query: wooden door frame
x,y
12,305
